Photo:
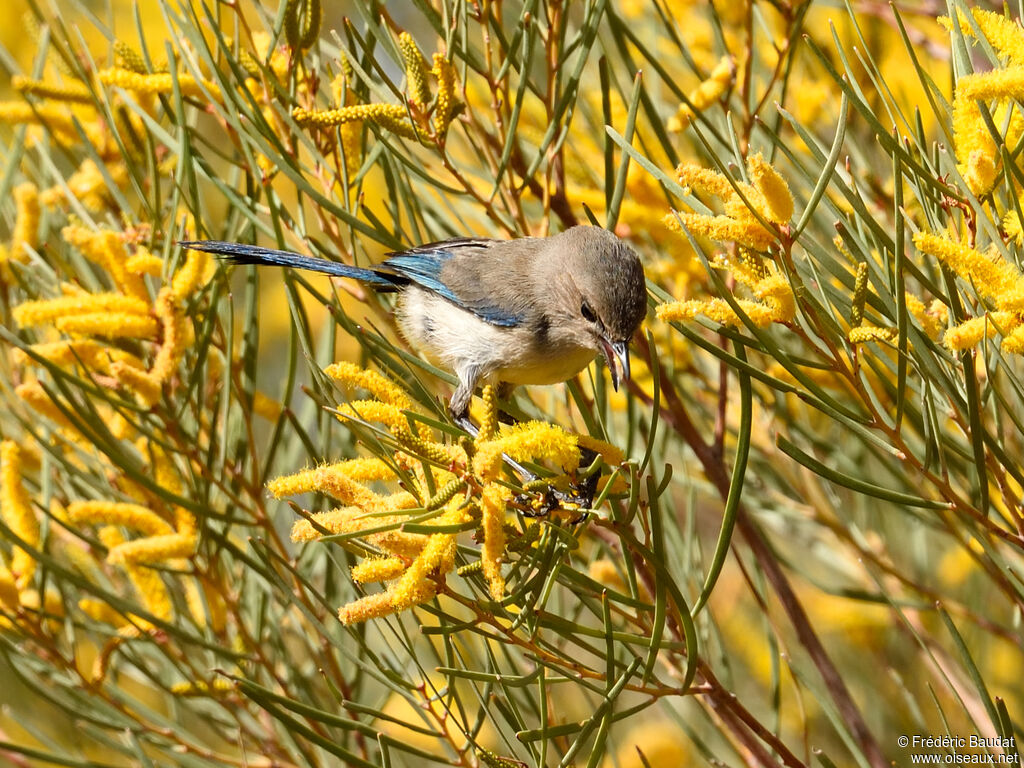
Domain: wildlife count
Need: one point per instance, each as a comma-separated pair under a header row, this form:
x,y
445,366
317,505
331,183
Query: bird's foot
x,y
578,498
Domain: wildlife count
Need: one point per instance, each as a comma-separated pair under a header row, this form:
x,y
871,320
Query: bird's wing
x,y
424,266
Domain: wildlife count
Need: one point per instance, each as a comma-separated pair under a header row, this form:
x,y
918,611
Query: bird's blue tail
x,y
237,253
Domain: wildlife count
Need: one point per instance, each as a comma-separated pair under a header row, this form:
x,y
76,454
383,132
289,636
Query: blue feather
x,y
423,267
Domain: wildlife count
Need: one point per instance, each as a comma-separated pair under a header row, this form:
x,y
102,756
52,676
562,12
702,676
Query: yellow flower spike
x,y
366,608
128,58
16,508
705,94
172,347
147,582
1013,342
860,293
88,185
993,276
727,229
976,152
931,322
193,275
26,222
610,454
390,117
415,70
436,559
717,310
100,611
72,92
493,499
703,180
118,325
9,599
37,398
353,520
328,479
152,590
1013,226
489,419
55,116
159,83
994,84
445,108
145,263
145,387
970,332
777,294
1006,37
107,249
86,352
185,522
31,313
378,569
153,549
134,517
773,188
487,462
203,688
536,440
866,333
375,383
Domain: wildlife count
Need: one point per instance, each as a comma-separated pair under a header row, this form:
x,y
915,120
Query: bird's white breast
x,y
456,339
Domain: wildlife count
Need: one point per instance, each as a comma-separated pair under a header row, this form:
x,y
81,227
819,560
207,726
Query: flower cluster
x,y
447,489
124,340
976,149
773,296
995,279
705,94
767,197
411,120
88,323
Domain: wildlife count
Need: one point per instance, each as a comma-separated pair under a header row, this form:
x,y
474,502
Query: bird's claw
x,y
579,498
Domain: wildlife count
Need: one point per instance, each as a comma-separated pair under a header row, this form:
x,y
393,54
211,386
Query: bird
x,y
521,311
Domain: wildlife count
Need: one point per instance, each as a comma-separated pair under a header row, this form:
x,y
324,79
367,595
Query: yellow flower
x,y
160,83
1006,37
48,310
865,333
970,332
415,70
131,516
705,94
445,108
193,275
118,325
16,508
739,223
26,222
378,569
493,499
778,201
390,117
994,277
376,384
73,92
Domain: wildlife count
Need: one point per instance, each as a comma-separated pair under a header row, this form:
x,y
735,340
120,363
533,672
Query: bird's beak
x,y
617,355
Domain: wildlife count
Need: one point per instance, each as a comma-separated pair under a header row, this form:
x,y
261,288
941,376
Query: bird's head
x,y
607,299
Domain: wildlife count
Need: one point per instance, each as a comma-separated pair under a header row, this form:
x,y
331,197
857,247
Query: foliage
x,y
807,533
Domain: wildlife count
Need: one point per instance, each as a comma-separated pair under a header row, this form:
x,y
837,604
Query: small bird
x,y
532,310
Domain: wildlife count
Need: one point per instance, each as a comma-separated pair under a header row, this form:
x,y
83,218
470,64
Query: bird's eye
x,y
587,312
